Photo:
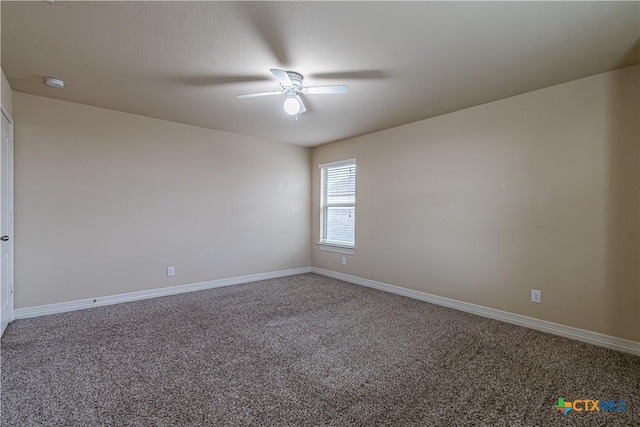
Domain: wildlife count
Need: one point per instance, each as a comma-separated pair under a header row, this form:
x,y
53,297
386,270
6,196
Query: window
x,y
338,206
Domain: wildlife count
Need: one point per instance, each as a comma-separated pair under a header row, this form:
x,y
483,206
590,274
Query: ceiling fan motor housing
x,y
296,79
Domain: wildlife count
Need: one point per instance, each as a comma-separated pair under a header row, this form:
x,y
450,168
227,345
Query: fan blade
x,y
282,76
351,75
263,18
302,107
253,95
318,90
216,80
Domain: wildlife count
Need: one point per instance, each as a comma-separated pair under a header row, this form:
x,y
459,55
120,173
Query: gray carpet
x,y
303,350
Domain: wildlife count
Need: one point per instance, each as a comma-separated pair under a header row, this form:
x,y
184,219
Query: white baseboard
x,y
43,310
602,340
594,338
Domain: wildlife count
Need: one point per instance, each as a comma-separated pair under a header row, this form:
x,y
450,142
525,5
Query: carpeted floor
x,y
303,350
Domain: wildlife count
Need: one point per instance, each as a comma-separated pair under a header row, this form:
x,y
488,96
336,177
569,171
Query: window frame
x,y
323,244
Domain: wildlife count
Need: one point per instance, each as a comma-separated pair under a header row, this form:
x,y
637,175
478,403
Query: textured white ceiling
x,y
403,61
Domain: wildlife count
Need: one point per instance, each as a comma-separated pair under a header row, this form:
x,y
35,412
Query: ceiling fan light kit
x,y
291,105
291,83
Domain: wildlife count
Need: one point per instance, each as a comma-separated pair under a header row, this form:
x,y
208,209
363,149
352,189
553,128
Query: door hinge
x,y
11,145
10,289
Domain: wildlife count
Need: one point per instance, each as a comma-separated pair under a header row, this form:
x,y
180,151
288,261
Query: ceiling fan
x,y
291,83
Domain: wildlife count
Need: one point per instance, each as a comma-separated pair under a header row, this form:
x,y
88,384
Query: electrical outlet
x,y
344,260
171,271
536,296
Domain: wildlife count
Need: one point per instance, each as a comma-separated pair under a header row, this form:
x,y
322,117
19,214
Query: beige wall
x,y
105,201
7,94
539,191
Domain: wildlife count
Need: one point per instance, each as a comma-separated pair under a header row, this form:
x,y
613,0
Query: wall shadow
x,y
622,252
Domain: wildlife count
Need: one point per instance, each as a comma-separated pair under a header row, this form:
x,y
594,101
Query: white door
x,y
6,223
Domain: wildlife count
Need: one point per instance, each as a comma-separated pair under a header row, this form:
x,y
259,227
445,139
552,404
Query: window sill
x,y
329,247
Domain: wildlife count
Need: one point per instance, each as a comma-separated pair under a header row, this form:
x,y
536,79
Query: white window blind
x,y
338,203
